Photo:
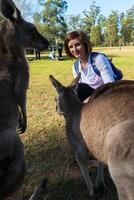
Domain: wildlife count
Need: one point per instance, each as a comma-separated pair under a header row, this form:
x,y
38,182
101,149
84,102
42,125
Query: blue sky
x,y
77,6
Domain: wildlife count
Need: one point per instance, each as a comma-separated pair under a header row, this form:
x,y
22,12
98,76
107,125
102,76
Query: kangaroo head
x,y
19,31
67,96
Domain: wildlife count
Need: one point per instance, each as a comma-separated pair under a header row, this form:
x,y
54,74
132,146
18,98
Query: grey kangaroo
x,y
15,35
103,128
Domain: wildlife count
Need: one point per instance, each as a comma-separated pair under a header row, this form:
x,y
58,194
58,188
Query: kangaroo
x,y
15,35
103,128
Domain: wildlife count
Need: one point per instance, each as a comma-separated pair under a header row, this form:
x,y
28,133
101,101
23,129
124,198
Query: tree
x,y
101,27
53,17
132,37
91,17
130,24
125,32
116,29
130,16
127,26
111,32
96,37
74,22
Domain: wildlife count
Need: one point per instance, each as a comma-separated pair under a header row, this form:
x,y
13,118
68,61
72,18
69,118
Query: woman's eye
x,y
70,47
78,44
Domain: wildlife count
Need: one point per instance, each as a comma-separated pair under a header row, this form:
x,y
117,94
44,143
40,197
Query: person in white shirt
x,y
52,55
78,46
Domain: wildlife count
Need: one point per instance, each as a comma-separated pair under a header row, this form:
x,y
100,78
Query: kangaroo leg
x,y
99,183
23,118
130,188
100,175
20,95
83,164
119,181
123,181
120,148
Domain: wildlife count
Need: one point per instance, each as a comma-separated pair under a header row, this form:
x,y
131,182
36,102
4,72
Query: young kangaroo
x,y
104,128
15,35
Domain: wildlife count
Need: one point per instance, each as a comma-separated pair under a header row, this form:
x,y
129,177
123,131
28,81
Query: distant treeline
x,y
117,29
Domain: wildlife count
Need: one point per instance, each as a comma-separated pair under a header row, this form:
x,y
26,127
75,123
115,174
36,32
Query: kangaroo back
x,y
104,128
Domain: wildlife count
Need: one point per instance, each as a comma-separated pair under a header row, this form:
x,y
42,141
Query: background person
x,y
78,46
60,49
52,55
37,54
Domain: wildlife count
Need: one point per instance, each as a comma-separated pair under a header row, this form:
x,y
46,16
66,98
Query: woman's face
x,y
76,48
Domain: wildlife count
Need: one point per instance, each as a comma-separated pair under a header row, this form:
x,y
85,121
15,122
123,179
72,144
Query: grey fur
x,y
15,35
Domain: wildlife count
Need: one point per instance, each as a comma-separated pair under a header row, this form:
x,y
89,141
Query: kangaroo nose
x,y
46,43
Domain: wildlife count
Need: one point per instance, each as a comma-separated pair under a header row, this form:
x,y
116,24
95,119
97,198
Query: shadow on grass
x,y
49,155
76,189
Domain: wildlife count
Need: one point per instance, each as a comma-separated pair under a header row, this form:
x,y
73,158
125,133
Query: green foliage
x,y
96,37
92,14
111,33
114,30
132,36
127,26
130,16
91,17
74,22
54,20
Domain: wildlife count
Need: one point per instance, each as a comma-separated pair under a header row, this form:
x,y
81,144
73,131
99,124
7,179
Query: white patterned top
x,y
90,77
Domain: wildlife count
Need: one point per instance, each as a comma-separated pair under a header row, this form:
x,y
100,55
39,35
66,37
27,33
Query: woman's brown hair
x,y
82,37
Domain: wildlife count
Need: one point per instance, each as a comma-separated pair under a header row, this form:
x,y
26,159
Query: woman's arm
x,y
105,69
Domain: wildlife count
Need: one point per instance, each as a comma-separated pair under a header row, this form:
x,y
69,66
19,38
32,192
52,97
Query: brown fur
x,y
104,128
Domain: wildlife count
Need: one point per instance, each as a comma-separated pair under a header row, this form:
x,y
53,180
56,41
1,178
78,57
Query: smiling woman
x,y
78,46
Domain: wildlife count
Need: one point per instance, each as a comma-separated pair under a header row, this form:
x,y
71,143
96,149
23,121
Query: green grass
x,y
47,151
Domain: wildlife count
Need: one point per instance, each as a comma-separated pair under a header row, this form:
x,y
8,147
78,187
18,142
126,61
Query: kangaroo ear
x,y
74,83
60,88
9,10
